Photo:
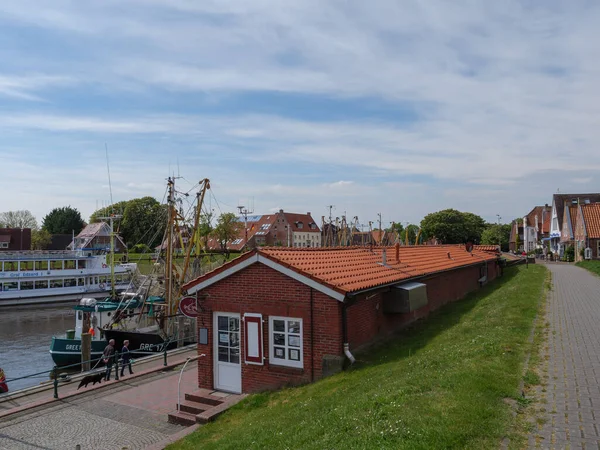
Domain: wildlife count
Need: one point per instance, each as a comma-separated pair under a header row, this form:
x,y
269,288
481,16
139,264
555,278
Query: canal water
x,y
25,336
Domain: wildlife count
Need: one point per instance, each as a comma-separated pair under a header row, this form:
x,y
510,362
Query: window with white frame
x,y
285,343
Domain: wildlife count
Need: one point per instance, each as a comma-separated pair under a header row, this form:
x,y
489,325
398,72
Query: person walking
x,y
108,357
126,358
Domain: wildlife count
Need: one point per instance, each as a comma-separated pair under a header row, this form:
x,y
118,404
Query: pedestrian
x,y
108,356
126,358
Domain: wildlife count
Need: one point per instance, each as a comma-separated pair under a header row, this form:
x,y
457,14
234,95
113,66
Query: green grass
x,y
591,265
444,383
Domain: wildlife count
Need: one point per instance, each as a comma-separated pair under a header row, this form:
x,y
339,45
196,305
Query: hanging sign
x,y
187,307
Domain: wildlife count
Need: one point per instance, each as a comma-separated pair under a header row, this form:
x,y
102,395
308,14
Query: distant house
x,y
179,242
536,227
15,239
281,229
96,236
587,232
515,242
275,317
557,241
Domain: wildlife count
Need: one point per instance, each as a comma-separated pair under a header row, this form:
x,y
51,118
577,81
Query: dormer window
x,y
299,225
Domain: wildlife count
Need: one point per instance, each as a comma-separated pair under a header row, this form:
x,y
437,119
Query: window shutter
x,y
253,338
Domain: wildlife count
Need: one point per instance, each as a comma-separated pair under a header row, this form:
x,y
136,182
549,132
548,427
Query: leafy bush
x,y
569,254
140,248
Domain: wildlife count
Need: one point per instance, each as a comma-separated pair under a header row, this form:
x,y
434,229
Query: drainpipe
x,y
345,334
312,347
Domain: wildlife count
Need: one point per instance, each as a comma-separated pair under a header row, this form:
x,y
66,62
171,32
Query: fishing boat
x,y
168,327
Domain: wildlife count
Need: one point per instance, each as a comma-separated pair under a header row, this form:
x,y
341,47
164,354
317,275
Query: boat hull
x,y
66,352
140,344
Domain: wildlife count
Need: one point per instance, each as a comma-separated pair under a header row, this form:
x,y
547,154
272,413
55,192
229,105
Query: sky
x,y
398,108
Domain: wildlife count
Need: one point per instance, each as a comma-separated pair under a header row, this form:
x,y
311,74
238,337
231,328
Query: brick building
x,y
277,317
277,229
587,231
15,239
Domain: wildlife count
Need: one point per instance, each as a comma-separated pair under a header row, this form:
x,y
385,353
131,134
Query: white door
x,y
228,370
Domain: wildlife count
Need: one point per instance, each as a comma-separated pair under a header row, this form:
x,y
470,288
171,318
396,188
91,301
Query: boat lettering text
x,y
73,347
151,347
24,274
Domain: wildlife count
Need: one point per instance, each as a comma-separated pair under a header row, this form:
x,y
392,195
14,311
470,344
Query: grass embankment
x,y
442,384
591,265
145,261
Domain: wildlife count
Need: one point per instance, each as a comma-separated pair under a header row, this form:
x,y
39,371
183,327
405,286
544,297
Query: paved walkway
x,y
573,355
129,414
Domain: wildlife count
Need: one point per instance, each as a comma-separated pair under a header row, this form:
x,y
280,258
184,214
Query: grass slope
x,y
591,265
441,384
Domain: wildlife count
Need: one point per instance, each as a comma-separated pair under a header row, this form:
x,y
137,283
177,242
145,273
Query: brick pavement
x,y
572,394
131,414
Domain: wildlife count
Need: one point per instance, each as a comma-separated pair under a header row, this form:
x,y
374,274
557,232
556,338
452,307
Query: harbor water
x,y
25,335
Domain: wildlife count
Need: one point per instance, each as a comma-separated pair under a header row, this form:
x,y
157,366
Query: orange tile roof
x,y
352,269
487,248
573,214
591,219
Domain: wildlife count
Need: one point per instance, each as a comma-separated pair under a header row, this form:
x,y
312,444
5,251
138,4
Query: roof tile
x,y
591,219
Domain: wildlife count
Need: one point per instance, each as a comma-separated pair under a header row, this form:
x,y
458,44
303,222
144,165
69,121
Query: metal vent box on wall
x,y
405,298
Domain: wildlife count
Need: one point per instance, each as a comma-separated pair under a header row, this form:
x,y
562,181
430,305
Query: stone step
x,y
207,399
182,418
193,407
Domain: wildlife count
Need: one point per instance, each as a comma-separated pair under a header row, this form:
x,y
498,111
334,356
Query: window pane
x,y
279,325
294,355
234,339
234,324
279,352
278,339
293,326
294,341
223,354
223,323
234,355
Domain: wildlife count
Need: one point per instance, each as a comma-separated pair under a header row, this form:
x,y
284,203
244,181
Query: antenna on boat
x,y
108,170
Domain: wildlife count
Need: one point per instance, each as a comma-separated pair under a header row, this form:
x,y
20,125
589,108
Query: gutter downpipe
x,y
312,352
349,355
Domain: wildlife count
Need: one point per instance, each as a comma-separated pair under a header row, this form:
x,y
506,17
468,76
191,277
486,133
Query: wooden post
x,y
86,351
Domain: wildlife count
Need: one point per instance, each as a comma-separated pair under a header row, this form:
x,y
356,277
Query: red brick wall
x,y
367,321
260,289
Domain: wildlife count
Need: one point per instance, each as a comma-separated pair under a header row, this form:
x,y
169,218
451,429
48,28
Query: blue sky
x,y
393,107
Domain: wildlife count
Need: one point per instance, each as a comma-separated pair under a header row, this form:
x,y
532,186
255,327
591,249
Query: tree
x,y
205,227
453,227
143,220
18,219
228,228
40,239
64,220
496,234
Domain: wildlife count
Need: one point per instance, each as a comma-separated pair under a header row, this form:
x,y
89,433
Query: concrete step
x,y
182,418
207,399
193,407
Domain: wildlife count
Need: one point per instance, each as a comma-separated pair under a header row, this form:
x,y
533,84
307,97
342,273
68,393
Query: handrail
x,y
193,358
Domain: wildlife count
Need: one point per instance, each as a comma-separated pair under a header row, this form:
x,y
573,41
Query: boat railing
x,y
43,254
56,376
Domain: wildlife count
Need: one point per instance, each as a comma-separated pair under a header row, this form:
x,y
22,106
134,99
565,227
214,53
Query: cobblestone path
x,y
102,419
572,397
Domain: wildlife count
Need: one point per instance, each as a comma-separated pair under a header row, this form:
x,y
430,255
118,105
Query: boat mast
x,y
169,255
111,218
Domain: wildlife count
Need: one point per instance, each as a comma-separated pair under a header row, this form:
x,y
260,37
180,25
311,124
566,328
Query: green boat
x,y
92,315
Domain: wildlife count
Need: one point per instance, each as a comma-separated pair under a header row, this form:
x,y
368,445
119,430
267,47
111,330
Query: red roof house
x,y
587,231
284,316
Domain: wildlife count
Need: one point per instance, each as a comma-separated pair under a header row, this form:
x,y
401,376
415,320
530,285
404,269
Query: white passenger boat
x,y
28,277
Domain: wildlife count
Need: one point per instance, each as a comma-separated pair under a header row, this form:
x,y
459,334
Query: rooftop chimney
x,y
384,255
397,252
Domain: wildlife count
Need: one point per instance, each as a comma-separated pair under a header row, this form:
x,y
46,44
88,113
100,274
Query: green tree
x,y
228,228
40,239
144,222
18,219
64,220
205,228
453,227
496,234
